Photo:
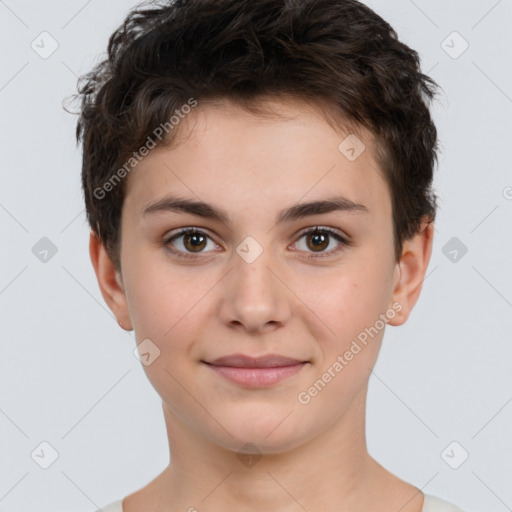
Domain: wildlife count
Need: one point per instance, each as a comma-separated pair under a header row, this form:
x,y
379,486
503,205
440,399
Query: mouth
x,y
256,372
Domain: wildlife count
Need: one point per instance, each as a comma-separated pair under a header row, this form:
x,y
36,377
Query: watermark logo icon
x,y
44,455
249,455
454,45
249,249
454,455
44,45
146,352
454,249
44,250
351,147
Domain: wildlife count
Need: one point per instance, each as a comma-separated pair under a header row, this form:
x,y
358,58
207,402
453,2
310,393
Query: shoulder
x,y
116,506
435,504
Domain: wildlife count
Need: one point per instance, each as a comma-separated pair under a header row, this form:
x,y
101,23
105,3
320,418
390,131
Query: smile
x,y
256,372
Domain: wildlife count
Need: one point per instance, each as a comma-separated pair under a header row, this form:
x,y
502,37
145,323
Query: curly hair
x,y
337,53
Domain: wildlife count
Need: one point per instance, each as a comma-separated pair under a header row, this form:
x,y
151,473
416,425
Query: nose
x,y
255,297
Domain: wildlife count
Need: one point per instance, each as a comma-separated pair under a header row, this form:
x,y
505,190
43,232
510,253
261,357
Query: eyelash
x,y
317,229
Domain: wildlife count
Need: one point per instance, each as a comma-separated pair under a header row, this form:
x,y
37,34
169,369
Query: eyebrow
x,y
295,212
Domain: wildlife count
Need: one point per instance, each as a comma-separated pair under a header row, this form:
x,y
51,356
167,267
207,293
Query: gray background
x,y
68,376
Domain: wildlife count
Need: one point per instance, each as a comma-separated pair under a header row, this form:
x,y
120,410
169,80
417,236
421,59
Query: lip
x,y
256,372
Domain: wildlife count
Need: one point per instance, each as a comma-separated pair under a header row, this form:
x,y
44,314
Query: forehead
x,y
225,155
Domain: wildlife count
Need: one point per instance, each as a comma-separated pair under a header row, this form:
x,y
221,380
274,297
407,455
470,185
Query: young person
x,y
257,178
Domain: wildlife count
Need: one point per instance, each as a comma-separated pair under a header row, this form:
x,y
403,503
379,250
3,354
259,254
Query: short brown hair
x,y
335,52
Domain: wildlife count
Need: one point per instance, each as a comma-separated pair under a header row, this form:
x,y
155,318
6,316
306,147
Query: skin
x,y
314,455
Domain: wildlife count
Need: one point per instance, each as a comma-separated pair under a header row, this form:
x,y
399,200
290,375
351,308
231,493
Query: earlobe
x,y
109,281
410,271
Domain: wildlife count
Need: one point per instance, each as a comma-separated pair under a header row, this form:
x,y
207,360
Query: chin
x,y
263,432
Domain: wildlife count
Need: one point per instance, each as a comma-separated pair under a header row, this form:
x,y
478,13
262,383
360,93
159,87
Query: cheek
x,y
160,311
168,308
351,308
157,301
350,301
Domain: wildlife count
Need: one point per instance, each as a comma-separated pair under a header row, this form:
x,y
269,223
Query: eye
x,y
318,239
189,241
193,241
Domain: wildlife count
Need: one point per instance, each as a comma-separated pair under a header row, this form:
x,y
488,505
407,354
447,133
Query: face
x,y
257,273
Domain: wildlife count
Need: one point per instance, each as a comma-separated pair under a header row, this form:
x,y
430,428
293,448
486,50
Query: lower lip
x,y
257,377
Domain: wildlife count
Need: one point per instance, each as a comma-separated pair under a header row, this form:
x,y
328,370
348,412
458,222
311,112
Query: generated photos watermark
x,y
357,345
158,133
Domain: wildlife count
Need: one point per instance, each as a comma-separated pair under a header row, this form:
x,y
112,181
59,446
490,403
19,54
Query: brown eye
x,y
194,242
188,242
317,241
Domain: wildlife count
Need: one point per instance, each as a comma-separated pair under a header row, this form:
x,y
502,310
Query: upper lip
x,y
243,361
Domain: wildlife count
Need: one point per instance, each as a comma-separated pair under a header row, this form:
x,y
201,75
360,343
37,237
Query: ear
x,y
410,271
110,282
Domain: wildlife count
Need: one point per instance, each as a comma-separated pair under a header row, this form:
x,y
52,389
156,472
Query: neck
x,y
329,472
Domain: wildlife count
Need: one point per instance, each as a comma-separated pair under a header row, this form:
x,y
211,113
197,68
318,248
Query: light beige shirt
x,y
431,504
